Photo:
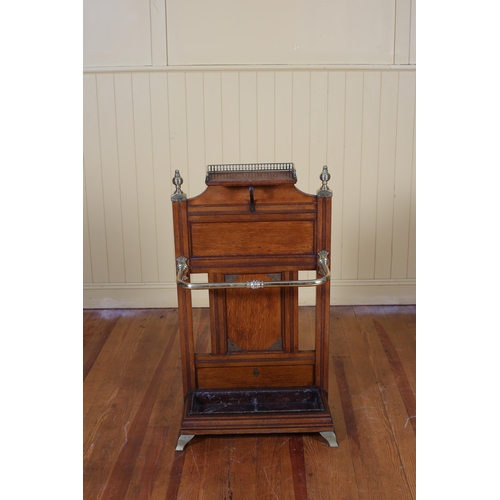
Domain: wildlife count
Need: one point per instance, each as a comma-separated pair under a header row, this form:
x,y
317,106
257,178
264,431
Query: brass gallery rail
x,y
133,405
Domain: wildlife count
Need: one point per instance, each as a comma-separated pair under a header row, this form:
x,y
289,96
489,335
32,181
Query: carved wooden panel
x,y
254,317
252,238
281,375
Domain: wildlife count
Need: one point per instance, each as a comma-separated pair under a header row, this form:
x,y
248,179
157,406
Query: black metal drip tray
x,y
256,401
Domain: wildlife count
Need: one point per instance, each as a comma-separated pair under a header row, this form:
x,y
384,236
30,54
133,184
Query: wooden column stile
x,y
323,232
181,237
290,315
217,319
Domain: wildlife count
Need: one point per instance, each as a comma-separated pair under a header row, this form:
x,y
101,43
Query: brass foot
x,y
331,438
183,441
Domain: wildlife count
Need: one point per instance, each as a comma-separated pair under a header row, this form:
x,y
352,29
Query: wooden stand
x,y
251,230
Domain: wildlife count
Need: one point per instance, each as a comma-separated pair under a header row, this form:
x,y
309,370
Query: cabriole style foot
x,y
331,438
183,441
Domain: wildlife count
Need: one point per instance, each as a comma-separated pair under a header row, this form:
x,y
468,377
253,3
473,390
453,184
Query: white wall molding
x,y
250,67
153,295
129,295
373,292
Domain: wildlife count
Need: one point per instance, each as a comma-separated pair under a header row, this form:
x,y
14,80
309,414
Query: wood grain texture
x,y
255,376
133,405
251,238
256,320
112,363
390,377
95,340
296,447
369,412
277,220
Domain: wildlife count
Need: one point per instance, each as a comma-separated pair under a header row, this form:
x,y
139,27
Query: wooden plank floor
x,y
133,403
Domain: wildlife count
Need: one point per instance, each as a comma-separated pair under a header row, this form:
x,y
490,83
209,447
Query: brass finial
x,y
177,182
325,191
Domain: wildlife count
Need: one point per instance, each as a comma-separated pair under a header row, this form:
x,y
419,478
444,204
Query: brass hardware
x,y
181,265
183,441
252,167
331,438
252,201
324,191
276,346
232,347
274,276
323,270
177,182
254,284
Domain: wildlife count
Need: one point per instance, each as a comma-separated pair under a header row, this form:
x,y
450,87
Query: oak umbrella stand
x,y
251,231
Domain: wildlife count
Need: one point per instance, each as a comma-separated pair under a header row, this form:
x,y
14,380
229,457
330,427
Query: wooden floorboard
x,y
133,404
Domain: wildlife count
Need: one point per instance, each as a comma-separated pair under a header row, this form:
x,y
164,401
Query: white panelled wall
x,y
141,123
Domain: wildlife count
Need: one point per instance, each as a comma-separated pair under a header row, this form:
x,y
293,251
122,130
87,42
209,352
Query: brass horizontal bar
x,y
323,269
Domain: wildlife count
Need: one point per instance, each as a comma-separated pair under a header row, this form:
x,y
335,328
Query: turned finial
x,y
324,191
177,182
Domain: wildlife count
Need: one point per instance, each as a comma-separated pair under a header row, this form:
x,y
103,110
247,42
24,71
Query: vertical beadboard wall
x,y
140,126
